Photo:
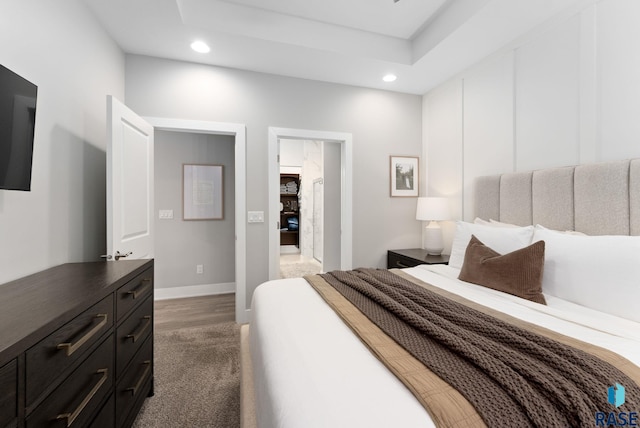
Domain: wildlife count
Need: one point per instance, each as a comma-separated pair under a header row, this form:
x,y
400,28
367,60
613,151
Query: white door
x,y
129,183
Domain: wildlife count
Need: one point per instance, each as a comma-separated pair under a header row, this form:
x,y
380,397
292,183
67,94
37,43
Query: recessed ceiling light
x,y
200,46
389,78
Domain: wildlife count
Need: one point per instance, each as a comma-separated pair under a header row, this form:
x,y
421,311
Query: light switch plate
x,y
165,214
255,216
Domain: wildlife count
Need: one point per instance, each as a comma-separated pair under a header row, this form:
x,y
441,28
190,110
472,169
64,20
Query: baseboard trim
x,y
194,291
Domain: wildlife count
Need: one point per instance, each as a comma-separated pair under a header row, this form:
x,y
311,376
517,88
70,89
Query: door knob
x,y
119,256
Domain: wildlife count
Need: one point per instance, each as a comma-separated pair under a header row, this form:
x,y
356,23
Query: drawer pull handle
x,y
141,290
138,385
71,417
73,347
402,265
134,336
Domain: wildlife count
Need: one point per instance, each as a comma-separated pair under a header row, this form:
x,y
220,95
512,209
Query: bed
x,y
307,367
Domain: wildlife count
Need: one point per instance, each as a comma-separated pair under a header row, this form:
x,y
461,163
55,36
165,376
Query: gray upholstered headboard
x,y
596,199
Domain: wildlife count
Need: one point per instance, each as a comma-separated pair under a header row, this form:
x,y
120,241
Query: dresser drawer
x,y
131,334
135,382
8,393
398,261
58,351
133,292
75,401
107,416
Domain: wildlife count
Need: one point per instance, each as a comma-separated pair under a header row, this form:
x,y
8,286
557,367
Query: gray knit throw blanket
x,y
513,377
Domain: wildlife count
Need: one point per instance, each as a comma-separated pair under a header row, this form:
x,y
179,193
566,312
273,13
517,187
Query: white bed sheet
x,y
310,370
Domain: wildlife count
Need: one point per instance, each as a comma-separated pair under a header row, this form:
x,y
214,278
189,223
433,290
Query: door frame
x,y
346,183
320,182
239,132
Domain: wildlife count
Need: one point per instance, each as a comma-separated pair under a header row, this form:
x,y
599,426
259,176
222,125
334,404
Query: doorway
x,y
340,255
194,256
301,163
238,132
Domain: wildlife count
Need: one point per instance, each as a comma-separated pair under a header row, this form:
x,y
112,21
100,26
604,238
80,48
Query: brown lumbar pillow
x,y
518,273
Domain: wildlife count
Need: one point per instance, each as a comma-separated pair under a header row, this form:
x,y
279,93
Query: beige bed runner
x,y
446,405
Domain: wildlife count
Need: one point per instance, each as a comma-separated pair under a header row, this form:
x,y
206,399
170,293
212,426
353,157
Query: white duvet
x,y
310,370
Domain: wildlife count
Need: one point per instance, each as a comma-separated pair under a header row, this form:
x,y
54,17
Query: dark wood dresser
x,y
76,345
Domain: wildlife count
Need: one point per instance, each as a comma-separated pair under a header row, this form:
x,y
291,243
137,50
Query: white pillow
x,y
478,220
493,222
599,272
501,239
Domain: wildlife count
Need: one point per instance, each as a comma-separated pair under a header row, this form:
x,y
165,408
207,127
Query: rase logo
x,y
615,397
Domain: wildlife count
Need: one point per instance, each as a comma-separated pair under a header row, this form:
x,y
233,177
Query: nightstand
x,y
413,257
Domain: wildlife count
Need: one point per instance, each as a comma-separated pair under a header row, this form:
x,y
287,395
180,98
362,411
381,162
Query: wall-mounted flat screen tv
x,y
17,123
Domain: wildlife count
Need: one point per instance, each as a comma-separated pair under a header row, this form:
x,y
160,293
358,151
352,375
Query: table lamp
x,y
433,209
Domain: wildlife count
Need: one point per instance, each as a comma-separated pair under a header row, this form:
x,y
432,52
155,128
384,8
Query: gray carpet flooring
x,y
197,379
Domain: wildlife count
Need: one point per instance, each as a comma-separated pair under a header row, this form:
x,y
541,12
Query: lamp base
x,y
433,241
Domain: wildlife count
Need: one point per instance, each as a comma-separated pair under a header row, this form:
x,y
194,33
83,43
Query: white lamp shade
x,y
433,208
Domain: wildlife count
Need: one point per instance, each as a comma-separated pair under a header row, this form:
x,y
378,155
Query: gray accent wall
x,y
181,245
331,209
382,124
61,48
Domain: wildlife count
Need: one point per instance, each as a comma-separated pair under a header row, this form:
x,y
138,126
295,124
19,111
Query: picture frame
x,y
404,176
202,192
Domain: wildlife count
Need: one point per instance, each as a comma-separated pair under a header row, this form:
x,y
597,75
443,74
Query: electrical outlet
x,y
199,269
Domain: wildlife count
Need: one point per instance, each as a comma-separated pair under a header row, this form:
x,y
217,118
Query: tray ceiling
x,y
353,42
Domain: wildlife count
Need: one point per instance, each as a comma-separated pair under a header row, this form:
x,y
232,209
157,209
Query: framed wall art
x,y
403,171
202,192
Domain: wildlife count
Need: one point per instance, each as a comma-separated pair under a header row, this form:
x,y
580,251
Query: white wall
x,y
547,104
442,113
312,169
61,48
618,79
382,123
566,94
181,245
